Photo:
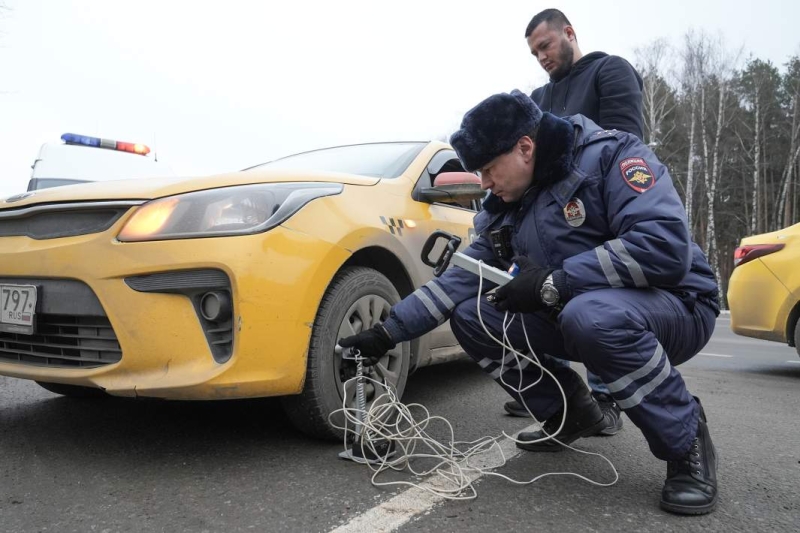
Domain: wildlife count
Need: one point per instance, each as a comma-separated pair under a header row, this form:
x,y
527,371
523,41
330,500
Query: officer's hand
x,y
523,293
373,343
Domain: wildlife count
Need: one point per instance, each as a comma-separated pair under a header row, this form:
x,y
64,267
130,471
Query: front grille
x,y
180,281
52,221
63,341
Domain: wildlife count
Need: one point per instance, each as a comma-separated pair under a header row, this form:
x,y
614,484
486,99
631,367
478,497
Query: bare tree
x,y
694,60
722,66
757,127
792,88
652,62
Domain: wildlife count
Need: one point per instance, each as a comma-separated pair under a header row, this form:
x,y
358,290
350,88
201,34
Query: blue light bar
x,y
85,140
71,138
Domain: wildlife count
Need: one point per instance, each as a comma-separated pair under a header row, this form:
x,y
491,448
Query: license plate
x,y
18,308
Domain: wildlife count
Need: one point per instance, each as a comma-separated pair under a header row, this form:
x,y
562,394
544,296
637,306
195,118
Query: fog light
x,y
215,305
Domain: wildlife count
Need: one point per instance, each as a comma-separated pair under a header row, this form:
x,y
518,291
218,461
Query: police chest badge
x,y
574,212
637,174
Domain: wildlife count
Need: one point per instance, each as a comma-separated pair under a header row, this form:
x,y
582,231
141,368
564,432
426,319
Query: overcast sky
x,y
222,85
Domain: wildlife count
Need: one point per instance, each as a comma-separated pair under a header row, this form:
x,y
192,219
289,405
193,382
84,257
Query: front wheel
x,y
357,299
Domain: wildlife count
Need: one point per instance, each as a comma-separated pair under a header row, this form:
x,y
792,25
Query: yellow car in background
x,y
229,286
764,289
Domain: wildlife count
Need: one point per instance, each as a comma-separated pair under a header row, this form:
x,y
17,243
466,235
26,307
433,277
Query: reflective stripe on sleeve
x,y
608,267
633,267
429,305
440,294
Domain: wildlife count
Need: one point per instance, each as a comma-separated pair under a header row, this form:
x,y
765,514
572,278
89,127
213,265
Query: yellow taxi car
x,y
229,286
764,289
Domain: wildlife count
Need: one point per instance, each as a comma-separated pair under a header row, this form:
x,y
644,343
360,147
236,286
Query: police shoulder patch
x,y
637,174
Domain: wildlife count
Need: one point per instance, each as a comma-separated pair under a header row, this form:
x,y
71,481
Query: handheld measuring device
x,y
450,255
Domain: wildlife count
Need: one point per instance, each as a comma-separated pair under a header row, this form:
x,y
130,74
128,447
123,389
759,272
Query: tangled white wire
x,y
452,464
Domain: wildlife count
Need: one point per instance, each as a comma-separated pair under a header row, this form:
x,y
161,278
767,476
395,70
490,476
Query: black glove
x,y
523,293
373,344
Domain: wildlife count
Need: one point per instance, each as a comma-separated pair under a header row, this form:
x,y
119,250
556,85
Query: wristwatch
x,y
549,293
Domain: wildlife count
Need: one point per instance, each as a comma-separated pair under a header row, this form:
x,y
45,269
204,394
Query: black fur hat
x,y
493,127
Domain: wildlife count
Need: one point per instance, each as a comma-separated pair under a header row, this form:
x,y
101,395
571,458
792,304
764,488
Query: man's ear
x,y
570,33
526,146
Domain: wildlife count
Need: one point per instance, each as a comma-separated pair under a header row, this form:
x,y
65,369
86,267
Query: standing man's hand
x,y
523,293
372,343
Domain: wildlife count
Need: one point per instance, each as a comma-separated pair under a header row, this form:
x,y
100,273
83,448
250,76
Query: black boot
x,y
514,408
584,418
612,413
691,485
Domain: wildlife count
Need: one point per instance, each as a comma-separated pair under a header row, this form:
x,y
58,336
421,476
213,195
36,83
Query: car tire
x,y
73,391
356,299
797,337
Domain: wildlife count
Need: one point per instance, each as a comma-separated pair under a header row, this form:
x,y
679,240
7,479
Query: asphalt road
x,y
132,465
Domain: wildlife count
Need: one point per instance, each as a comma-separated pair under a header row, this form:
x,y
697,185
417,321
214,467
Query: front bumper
x,y
277,280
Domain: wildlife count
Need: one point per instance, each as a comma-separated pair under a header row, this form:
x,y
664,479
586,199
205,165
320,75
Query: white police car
x,y
81,159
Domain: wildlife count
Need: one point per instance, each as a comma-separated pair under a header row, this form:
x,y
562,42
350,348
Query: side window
x,y
443,161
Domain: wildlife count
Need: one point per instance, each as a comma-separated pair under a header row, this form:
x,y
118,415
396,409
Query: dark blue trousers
x,y
631,338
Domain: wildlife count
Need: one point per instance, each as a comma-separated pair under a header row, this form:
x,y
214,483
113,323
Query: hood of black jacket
x,y
581,64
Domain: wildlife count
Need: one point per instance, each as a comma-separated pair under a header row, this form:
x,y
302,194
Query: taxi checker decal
x,y
395,226
637,174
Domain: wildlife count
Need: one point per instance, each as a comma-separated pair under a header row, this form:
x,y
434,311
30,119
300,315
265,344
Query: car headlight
x,y
239,210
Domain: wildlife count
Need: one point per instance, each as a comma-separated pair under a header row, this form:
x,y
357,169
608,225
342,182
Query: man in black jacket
x,y
603,88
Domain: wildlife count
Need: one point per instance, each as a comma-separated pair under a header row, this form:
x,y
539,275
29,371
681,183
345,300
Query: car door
x,y
451,217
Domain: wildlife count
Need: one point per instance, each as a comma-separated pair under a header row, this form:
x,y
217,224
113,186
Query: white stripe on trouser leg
x,y
646,389
620,384
507,363
485,362
636,398
509,366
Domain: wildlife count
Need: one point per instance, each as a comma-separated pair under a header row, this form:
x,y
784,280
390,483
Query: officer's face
x,y
552,47
508,176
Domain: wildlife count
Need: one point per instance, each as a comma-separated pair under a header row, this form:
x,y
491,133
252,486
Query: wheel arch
x,y
388,264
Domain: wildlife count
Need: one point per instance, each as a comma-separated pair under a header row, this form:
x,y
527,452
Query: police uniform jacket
x,y
602,211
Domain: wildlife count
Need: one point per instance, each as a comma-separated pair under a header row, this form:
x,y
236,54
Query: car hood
x,y
150,188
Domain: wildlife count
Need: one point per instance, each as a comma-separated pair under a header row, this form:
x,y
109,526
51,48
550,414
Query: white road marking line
x,y
739,340
401,508
794,362
714,354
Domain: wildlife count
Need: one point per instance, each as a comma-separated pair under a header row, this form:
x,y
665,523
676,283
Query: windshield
x,y
45,183
380,160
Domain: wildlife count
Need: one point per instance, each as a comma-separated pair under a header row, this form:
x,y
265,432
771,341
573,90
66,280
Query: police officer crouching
x,y
609,277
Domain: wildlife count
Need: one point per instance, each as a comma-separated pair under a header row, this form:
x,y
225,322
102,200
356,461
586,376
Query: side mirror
x,y
459,187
